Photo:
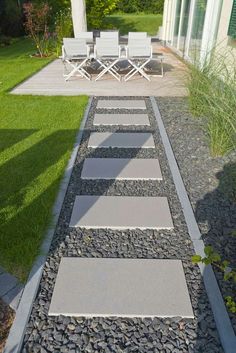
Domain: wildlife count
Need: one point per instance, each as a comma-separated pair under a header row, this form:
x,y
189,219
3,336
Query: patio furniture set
x,y
106,53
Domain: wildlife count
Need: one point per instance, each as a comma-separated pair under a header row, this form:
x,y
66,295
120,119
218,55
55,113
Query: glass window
x,y
232,24
177,22
197,29
184,26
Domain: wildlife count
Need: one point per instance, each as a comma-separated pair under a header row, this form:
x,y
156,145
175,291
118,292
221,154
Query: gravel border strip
x,y
17,332
220,313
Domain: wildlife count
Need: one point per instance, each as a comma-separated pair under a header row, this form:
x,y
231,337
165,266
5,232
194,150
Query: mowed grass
x,y
126,23
36,138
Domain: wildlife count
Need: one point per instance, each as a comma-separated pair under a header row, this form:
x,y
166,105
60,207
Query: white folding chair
x,y
137,35
111,35
75,52
139,54
107,54
88,36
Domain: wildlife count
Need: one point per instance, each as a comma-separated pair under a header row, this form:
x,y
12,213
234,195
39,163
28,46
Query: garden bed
x,y
209,181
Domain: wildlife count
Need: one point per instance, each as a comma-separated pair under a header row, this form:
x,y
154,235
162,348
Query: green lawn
x,y
135,23
36,138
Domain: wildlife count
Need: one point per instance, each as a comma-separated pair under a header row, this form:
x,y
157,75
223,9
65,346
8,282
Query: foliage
x,y
135,6
212,257
97,10
55,7
36,25
212,94
63,28
37,134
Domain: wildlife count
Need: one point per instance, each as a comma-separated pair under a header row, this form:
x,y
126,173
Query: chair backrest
x,y
111,35
140,48
75,47
106,47
85,35
137,35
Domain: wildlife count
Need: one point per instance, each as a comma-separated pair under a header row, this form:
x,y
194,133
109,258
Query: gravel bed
x,y
66,334
207,182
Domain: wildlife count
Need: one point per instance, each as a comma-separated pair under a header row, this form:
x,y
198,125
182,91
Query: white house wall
x,y
223,42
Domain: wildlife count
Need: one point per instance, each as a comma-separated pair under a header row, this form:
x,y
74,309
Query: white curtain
x,y
78,8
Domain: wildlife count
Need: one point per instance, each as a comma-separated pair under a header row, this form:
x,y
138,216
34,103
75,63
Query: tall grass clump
x,y
212,96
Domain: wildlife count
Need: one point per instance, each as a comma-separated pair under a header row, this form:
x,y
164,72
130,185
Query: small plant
x,y
36,25
229,273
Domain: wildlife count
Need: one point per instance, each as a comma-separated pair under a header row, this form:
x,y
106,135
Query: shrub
x,y
36,25
212,94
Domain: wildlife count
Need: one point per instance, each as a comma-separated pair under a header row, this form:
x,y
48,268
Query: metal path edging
x,y
16,335
223,324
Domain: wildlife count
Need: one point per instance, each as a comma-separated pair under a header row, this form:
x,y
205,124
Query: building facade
x,y
192,28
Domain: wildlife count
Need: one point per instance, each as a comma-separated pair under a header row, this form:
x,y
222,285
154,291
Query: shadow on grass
x,y
117,22
132,23
9,137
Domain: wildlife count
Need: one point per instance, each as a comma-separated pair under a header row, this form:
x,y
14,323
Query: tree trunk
x,y
78,9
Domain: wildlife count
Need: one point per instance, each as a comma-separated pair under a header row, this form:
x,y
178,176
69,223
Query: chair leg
x,y
79,68
137,69
109,69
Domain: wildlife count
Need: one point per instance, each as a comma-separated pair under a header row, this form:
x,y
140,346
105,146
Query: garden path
x,y
119,276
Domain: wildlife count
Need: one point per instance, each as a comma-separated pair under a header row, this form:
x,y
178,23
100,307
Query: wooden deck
x,y
50,81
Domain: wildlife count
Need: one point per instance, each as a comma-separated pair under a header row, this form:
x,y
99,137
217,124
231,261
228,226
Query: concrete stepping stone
x,y
121,119
121,104
121,212
120,287
121,140
121,169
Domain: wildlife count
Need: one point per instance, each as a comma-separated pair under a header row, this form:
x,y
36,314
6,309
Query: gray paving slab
x,y
121,212
119,168
121,119
120,287
122,104
7,282
121,140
